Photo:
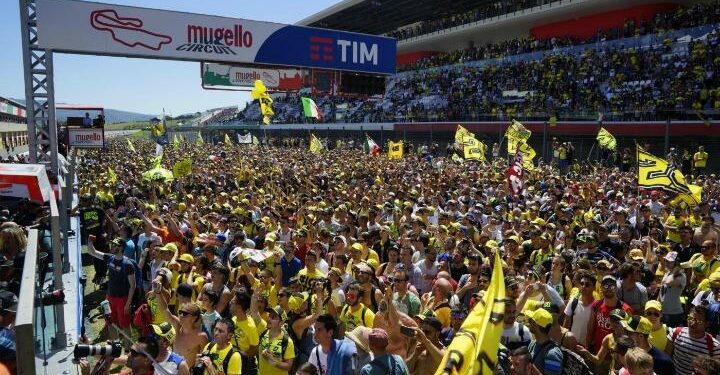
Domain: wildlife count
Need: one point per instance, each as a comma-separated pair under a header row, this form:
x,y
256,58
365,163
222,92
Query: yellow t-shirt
x,y
658,338
362,317
703,267
178,278
700,159
274,346
305,278
246,334
674,234
234,365
443,315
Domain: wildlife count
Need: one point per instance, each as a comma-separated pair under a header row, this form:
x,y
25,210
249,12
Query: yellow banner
x,y
657,173
199,139
112,176
528,154
516,133
315,145
182,168
227,140
259,92
473,148
688,200
460,133
396,150
474,350
606,139
130,146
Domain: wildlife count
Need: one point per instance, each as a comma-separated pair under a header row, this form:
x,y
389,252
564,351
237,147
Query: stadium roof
x,y
382,16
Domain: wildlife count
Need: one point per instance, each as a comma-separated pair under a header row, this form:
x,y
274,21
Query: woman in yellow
x,y
159,290
276,348
658,335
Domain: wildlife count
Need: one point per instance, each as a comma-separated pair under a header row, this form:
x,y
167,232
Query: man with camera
x,y
140,359
219,356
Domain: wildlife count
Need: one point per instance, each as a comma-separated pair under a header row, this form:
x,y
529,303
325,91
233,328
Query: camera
x,y
113,349
199,368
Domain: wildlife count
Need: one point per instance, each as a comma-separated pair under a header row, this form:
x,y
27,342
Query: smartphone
x,y
407,331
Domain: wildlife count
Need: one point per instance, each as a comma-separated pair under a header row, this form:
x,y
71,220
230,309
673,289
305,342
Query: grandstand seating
x,y
648,71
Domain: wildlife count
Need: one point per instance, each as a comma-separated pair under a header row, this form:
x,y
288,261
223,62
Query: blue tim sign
x,y
329,49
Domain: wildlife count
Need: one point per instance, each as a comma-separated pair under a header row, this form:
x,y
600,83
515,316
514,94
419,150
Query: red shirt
x,y
602,319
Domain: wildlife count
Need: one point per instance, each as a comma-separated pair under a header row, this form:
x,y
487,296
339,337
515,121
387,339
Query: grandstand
x,y
490,60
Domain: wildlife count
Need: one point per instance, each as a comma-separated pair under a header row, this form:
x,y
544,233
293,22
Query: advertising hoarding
x,y
106,29
86,137
215,74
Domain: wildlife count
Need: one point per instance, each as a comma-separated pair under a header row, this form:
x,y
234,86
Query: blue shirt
x,y
7,344
547,357
289,269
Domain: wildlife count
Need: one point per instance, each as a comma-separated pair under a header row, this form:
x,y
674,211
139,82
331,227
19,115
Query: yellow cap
x,y
653,304
541,317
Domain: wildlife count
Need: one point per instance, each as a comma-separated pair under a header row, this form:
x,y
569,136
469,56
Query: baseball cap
x,y
433,322
378,338
551,308
653,304
164,330
671,256
117,241
609,279
637,324
168,247
514,238
605,263
541,317
335,271
618,314
186,258
277,310
8,301
636,254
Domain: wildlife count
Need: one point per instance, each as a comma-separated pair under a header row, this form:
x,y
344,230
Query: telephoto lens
x,y
113,349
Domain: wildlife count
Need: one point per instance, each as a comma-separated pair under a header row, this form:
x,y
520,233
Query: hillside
x,y
111,115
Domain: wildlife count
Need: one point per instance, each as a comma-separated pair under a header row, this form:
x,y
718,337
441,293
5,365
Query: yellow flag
x,y
460,133
396,149
516,133
112,176
175,142
315,145
157,160
182,168
473,148
259,92
130,146
227,140
199,140
688,200
528,154
474,349
606,139
656,173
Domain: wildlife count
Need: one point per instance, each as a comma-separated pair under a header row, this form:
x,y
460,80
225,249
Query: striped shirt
x,y
687,348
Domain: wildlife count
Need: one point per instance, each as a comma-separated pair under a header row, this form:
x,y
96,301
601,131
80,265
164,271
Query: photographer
x,y
139,359
278,350
166,358
219,357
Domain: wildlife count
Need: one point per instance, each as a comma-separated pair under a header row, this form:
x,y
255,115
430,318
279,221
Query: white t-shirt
x,y
316,353
710,297
580,319
512,335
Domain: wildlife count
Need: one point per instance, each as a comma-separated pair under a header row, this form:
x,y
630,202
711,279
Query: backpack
x,y
283,343
708,339
228,356
573,364
362,314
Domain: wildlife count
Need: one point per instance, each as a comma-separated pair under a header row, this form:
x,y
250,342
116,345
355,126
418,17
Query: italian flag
x,y
370,147
310,108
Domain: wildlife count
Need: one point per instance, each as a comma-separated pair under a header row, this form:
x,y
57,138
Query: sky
x,y
141,85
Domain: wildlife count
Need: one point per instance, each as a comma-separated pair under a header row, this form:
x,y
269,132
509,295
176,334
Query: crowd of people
x,y
274,260
625,84
683,17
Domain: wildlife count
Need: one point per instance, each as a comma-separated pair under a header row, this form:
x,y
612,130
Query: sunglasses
x,y
134,353
185,313
649,313
609,286
282,295
586,283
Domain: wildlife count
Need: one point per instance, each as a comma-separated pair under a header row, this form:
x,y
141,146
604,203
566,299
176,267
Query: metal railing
x,y
24,320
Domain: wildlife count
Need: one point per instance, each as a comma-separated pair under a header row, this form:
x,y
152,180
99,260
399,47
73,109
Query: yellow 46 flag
x,y
396,149
657,173
315,145
517,133
474,350
473,148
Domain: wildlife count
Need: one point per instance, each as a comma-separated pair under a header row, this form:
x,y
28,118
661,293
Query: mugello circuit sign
x,y
105,29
